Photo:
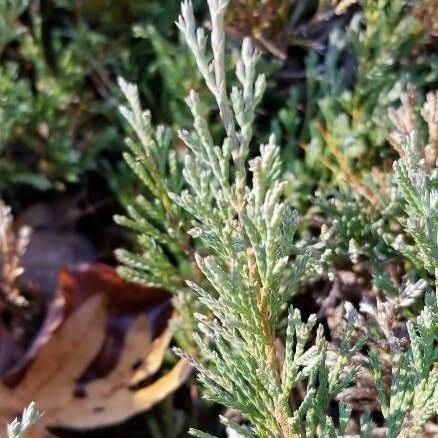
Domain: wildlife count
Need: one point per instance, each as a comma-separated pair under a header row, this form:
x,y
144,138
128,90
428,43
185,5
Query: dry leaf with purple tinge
x,y
51,379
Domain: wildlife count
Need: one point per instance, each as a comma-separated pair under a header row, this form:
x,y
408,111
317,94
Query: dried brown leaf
x,y
51,379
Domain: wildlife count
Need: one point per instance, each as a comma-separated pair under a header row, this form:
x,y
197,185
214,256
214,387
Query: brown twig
x,y
268,338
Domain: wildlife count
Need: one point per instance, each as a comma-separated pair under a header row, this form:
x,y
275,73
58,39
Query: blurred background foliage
x,y
59,61
334,69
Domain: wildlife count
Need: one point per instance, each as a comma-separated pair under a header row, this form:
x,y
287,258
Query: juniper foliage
x,y
248,266
416,182
57,108
155,221
40,79
19,428
347,93
215,225
247,232
162,258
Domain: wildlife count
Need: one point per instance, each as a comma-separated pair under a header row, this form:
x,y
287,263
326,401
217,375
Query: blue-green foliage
x,y
245,263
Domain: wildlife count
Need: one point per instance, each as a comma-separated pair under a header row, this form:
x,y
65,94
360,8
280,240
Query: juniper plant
x,y
218,230
416,180
233,210
364,71
246,241
247,232
401,227
403,230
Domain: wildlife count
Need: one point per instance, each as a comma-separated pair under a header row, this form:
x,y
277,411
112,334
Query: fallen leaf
x,y
11,365
51,379
126,301
75,285
85,279
10,352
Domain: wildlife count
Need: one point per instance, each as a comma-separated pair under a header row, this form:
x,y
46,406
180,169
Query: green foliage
x,y
401,226
157,220
247,233
162,259
43,121
365,70
413,396
416,182
10,10
215,222
57,117
238,214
